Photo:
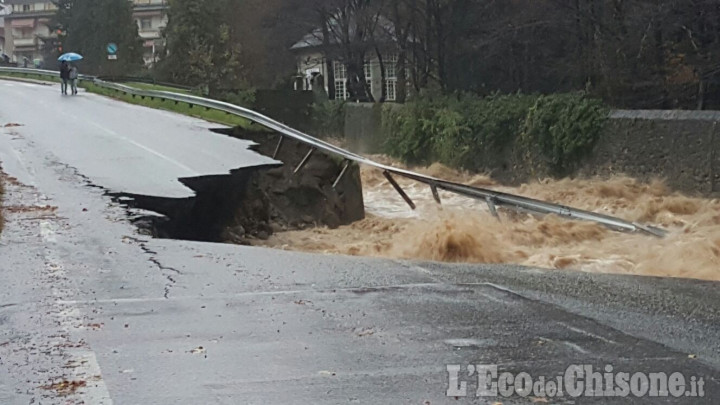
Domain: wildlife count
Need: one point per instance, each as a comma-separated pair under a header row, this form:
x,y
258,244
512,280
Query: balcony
x,y
24,42
141,6
32,14
150,33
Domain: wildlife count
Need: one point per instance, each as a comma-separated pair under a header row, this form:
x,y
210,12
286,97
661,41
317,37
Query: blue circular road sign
x,y
112,48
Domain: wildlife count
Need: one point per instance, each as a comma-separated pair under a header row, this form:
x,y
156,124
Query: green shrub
x,y
562,129
473,133
490,125
408,130
243,98
460,130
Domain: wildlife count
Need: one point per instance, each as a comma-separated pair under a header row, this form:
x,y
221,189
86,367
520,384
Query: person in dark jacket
x,y
64,76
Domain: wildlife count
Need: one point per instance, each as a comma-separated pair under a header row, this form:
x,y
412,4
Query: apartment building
x,y
4,10
151,18
26,28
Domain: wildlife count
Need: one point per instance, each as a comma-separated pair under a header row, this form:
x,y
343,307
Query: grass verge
x,y
219,117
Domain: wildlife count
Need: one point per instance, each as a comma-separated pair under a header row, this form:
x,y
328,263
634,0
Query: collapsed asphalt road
x,y
92,312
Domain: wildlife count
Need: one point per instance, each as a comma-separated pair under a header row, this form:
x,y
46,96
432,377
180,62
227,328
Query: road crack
x,y
169,272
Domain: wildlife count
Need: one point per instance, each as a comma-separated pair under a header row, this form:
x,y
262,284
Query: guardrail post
x,y
491,205
399,189
305,160
342,173
435,193
279,145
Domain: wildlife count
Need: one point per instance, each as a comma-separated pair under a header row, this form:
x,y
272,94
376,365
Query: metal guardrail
x,y
494,199
126,79
39,72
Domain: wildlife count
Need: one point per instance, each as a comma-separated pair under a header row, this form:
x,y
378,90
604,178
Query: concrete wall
x,y
682,147
363,127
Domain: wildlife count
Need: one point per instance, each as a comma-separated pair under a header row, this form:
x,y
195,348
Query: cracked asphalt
x,y
93,312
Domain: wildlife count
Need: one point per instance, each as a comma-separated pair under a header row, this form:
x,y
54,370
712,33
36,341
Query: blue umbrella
x,y
70,57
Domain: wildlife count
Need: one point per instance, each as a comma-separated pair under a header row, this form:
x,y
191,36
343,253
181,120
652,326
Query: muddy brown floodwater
x,y
462,229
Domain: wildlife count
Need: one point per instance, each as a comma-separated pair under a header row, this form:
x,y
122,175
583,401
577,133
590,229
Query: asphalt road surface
x,y
92,312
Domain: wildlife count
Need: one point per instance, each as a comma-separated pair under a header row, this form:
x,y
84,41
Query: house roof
x,y
384,32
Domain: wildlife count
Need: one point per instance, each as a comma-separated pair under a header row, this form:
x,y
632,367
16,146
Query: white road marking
x,y
494,299
575,347
586,333
95,391
85,365
143,147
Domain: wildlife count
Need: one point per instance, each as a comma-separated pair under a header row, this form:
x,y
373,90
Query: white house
x,y
313,55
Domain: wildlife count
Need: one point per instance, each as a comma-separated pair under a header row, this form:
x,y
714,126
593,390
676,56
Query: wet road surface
x,y
93,312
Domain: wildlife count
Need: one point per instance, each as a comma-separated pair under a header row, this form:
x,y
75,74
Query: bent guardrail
x,y
494,199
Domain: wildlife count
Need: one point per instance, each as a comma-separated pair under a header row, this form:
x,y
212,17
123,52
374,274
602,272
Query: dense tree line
x,y
229,44
632,53
88,26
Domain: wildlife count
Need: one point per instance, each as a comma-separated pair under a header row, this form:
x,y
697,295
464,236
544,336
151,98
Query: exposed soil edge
x,y
254,202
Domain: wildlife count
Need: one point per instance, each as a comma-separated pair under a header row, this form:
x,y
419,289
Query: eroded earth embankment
x,y
253,203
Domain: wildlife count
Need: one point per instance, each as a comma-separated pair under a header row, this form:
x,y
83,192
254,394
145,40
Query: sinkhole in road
x,y
252,203
271,206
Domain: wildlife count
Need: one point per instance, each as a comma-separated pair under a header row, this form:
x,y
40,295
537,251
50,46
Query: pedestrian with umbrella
x,y
64,76
67,73
73,79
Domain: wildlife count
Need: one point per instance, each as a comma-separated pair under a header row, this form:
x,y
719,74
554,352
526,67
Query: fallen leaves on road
x,y
65,387
75,363
366,332
26,208
10,180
